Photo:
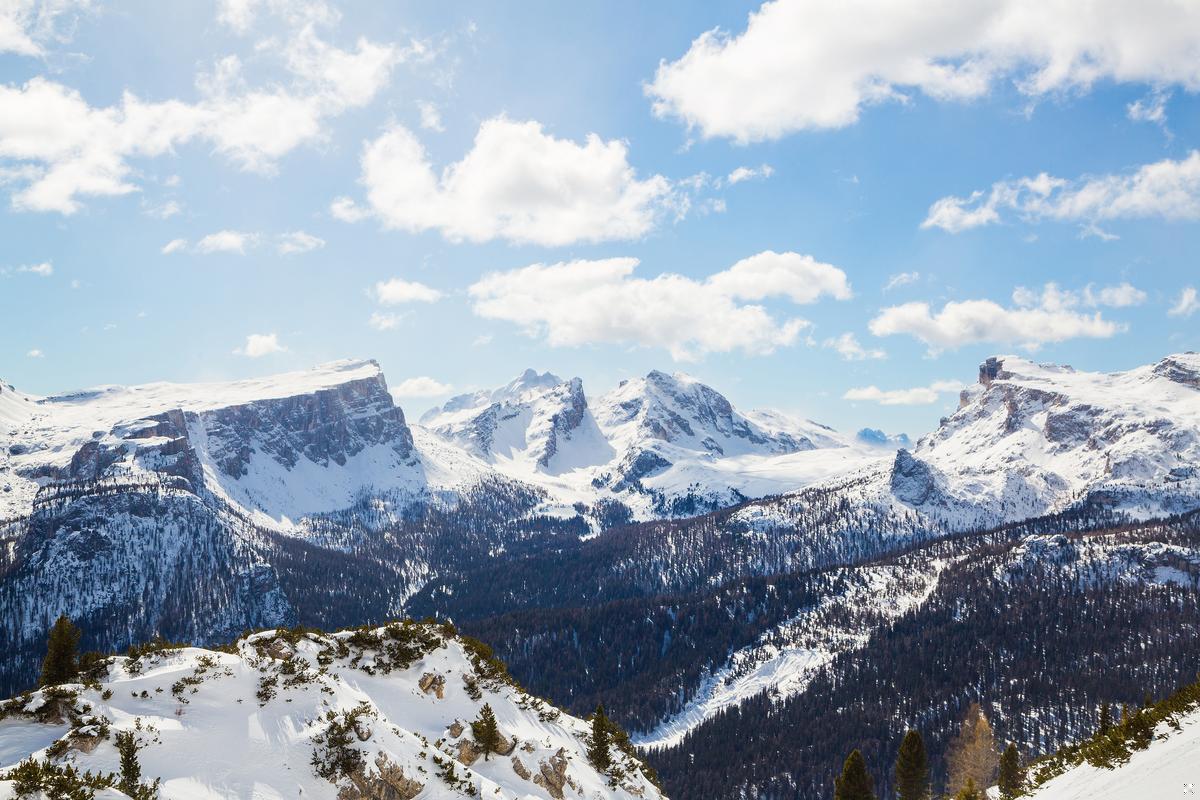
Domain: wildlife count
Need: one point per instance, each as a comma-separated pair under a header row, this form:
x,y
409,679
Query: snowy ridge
x,y
1033,439
647,443
377,714
784,660
1167,768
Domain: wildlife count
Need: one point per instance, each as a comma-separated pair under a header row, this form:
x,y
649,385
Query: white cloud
x,y
347,210
240,15
35,353
299,242
164,210
801,278
1035,320
225,242
174,246
44,269
747,173
260,344
1119,296
584,302
1188,303
849,348
918,396
1167,189
431,118
901,279
812,64
383,322
517,183
1152,108
422,386
60,150
395,291
26,26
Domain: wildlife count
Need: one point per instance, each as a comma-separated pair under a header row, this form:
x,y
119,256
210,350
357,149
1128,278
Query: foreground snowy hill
x,y
1167,768
381,713
1153,753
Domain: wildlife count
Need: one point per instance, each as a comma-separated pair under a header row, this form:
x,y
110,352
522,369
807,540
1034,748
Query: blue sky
x,y
383,180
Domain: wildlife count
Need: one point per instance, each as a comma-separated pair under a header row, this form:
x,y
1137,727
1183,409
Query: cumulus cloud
x,y
260,344
585,302
516,183
422,386
35,353
849,348
748,173
1035,319
1166,189
1152,108
1120,296
1188,303
395,291
225,242
901,279
813,64
62,150
918,396
174,246
298,242
26,26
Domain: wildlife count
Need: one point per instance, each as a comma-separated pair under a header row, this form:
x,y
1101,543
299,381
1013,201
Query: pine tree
x,y
912,768
1011,779
62,653
968,791
486,731
854,783
598,743
1105,718
131,770
972,755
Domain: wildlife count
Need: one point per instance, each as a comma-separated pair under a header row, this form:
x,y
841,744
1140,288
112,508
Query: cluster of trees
x,y
973,762
1045,648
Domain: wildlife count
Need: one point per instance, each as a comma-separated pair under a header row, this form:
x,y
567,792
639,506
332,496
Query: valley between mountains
x,y
750,595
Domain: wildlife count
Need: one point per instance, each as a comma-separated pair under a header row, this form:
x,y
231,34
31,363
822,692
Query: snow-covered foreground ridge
x,y
379,714
1155,754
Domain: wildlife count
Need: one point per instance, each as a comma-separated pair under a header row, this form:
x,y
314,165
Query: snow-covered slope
x,y
1169,767
651,443
1032,439
382,714
278,448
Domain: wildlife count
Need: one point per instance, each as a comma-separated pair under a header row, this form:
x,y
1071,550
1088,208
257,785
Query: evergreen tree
x,y
131,770
598,743
62,652
972,755
968,791
486,731
1011,778
912,768
1105,718
854,783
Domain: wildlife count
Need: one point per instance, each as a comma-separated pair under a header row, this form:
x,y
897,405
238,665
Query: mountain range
x,y
652,548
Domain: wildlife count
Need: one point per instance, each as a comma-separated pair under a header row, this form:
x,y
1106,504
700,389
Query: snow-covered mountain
x,y
277,449
653,443
1032,439
369,714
